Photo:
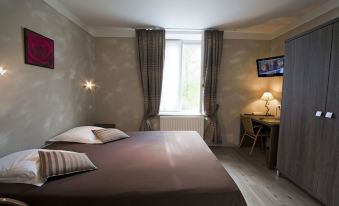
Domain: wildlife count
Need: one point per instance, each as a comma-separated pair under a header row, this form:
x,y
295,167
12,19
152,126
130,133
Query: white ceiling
x,y
259,17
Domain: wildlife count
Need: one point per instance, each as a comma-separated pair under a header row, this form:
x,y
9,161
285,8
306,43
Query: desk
x,y
272,124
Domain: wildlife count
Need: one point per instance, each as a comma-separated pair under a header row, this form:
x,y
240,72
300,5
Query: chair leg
x,y
242,139
255,141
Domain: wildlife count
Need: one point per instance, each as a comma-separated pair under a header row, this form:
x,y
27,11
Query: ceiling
x,y
259,17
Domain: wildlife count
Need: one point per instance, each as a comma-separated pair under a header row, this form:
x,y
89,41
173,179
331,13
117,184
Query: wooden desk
x,y
272,124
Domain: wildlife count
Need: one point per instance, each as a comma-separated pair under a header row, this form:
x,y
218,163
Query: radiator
x,y
182,123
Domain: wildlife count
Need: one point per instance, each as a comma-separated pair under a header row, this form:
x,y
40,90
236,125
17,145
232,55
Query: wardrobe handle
x,y
318,114
329,115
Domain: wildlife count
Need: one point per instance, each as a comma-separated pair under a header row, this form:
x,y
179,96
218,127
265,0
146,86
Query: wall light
x,y
2,71
89,85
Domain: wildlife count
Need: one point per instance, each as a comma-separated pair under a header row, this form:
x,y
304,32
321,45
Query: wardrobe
x,y
308,152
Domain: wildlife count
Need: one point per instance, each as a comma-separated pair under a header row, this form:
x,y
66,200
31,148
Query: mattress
x,y
149,168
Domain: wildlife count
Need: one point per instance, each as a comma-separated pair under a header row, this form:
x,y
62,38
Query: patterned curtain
x,y
151,50
213,44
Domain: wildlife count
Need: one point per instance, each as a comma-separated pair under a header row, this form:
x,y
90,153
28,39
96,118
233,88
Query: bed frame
x,y
13,202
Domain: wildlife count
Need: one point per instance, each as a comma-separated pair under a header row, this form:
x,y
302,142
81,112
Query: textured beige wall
x,y
119,98
38,103
239,87
277,44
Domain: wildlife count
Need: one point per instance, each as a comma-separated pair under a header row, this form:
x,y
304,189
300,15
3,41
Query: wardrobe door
x,y
329,179
304,93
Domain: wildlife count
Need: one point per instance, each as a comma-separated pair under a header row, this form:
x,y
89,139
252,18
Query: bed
x,y
149,168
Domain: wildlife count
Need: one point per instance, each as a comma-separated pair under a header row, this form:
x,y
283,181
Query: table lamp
x,y
267,96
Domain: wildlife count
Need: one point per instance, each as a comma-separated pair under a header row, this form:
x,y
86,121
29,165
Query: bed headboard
x,y
105,125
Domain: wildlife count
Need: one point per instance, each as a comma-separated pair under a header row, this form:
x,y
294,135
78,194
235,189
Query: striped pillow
x,y
60,162
108,135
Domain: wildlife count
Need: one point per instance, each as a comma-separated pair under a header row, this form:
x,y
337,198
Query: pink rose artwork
x,y
39,50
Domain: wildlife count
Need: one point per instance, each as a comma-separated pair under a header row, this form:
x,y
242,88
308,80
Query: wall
x,y
239,87
37,103
120,101
119,97
277,44
54,101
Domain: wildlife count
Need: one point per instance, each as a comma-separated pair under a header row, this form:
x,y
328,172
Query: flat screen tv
x,y
272,66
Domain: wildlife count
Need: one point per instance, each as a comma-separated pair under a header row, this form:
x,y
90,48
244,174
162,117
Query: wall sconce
x,y
89,85
2,71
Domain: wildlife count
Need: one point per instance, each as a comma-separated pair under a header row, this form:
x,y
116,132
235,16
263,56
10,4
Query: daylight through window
x,y
181,89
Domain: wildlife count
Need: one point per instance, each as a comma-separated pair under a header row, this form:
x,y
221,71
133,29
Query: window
x,y
181,87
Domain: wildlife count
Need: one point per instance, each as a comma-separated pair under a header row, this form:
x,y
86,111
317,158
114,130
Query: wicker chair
x,y
253,132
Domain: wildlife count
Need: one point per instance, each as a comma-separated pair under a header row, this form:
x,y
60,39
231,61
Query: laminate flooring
x,y
259,185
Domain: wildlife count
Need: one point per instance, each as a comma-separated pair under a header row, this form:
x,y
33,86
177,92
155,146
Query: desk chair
x,y
253,132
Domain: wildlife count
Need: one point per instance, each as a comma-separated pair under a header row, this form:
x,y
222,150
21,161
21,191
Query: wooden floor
x,y
259,185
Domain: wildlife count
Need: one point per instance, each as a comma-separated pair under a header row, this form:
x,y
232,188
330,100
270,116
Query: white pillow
x,y
78,134
21,167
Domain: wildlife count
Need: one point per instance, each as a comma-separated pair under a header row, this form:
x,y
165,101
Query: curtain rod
x,y
149,28
173,29
156,28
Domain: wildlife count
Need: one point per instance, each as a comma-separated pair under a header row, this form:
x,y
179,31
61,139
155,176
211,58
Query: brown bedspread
x,y
147,169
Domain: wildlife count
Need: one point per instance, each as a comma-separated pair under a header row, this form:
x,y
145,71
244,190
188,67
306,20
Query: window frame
x,y
183,113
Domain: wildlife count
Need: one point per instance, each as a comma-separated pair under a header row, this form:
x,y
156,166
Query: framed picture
x,y
39,50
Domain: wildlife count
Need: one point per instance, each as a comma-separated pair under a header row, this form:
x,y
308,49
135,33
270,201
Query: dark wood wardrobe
x,y
308,151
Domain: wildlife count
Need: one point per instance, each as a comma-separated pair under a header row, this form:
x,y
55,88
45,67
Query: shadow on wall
x,y
239,87
119,99
38,103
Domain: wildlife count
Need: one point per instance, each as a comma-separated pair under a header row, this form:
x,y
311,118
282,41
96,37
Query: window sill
x,y
180,114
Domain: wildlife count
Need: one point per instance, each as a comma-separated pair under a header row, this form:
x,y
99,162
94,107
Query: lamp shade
x,y
267,96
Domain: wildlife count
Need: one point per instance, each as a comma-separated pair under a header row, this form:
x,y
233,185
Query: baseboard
x,y
223,145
